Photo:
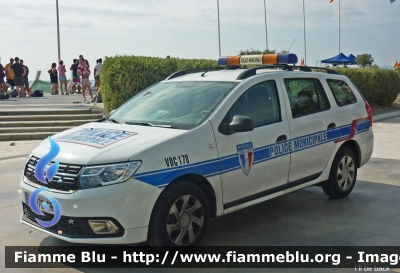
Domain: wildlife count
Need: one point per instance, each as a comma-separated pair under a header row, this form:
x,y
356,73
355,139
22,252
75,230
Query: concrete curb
x,y
386,116
13,157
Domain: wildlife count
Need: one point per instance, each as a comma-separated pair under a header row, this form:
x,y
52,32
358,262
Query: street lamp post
x,y
58,32
265,17
339,26
219,33
305,43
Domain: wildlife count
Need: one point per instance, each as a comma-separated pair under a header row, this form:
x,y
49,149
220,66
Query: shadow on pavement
x,y
368,217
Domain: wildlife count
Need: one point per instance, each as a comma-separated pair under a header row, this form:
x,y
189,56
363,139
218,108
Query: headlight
x,y
98,176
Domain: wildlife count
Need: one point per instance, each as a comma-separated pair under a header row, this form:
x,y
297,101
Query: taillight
x,y
369,112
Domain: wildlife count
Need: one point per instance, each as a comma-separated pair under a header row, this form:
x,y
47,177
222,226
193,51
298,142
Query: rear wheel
x,y
343,174
180,216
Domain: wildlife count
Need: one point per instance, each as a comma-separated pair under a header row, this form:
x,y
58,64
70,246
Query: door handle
x,y
331,126
281,138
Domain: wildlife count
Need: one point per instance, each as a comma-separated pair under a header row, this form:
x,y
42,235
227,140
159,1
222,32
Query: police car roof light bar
x,y
253,71
262,59
188,71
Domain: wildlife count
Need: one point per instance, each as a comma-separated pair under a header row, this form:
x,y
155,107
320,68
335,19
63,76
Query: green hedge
x,y
379,86
122,77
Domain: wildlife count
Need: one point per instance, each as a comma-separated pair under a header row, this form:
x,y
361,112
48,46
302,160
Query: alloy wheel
x,y
185,220
345,173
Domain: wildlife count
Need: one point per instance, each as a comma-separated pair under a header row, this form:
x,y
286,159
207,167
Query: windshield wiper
x,y
139,123
150,124
112,120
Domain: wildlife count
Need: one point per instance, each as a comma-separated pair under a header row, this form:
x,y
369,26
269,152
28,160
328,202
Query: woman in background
x,y
53,79
84,72
62,77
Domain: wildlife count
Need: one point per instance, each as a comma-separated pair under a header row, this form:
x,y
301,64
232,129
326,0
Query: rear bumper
x,y
366,144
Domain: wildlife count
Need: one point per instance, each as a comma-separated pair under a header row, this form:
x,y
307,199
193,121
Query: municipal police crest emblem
x,y
246,156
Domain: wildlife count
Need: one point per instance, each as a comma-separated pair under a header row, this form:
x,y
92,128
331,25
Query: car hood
x,y
100,143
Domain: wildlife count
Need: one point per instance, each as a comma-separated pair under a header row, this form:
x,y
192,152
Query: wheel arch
x,y
353,145
204,185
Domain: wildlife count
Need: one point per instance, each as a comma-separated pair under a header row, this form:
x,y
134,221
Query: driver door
x,y
253,163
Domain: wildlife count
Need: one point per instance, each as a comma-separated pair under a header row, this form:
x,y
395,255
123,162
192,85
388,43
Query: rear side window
x,y
342,92
306,96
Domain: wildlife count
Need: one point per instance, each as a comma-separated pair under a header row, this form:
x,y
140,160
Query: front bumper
x,y
128,205
72,227
131,236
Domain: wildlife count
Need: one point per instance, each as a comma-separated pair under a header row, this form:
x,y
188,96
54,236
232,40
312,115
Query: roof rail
x,y
188,71
253,71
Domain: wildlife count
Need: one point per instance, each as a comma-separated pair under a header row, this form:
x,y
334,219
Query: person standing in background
x,y
97,71
86,61
19,74
84,72
3,87
10,74
26,81
53,79
62,77
76,81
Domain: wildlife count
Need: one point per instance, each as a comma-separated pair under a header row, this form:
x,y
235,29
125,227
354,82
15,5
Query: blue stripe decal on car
x,y
161,178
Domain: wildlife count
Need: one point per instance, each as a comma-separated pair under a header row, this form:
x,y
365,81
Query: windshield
x,y
181,105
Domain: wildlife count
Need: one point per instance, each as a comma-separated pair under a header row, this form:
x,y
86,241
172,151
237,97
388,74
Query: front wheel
x,y
180,216
343,174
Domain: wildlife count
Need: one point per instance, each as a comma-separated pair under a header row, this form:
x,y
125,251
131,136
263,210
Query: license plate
x,y
39,202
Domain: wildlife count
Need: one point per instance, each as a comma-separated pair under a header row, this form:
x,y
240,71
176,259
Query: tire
x,y
343,174
174,224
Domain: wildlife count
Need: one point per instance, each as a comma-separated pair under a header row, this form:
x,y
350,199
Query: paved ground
x,y
369,216
48,101
16,149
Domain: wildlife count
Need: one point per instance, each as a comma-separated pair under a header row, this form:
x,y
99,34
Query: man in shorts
x,y
19,74
84,72
26,81
97,71
76,81
10,74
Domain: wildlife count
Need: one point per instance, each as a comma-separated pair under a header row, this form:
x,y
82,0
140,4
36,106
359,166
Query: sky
x,y
189,29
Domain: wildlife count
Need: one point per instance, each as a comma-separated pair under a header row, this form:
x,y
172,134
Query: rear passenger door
x,y
309,120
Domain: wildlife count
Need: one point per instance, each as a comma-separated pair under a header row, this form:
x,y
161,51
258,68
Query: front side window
x,y
181,105
260,103
306,96
342,92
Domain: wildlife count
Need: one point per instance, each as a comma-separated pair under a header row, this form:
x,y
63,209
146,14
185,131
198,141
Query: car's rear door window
x,y
306,96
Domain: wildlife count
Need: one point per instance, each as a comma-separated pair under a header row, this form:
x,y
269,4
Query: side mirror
x,y
241,124
112,112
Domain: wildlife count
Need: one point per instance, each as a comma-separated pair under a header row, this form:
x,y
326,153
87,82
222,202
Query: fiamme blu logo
x,y
45,173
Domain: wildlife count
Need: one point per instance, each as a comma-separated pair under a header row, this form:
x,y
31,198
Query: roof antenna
x,y
204,73
292,45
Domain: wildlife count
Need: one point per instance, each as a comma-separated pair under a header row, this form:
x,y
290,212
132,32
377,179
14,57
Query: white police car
x,y
200,145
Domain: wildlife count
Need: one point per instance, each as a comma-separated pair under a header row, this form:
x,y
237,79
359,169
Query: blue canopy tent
x,y
352,57
339,59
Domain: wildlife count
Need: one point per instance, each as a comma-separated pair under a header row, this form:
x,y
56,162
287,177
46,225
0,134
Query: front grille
x,y
68,229
66,178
